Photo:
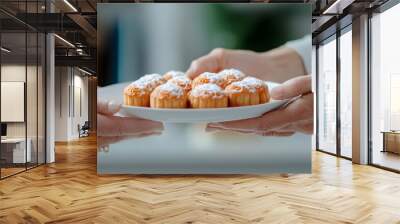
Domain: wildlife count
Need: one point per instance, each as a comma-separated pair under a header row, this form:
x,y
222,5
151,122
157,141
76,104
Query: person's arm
x,y
303,48
281,64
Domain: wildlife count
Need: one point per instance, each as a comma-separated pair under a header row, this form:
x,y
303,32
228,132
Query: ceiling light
x,y
79,51
329,9
64,40
70,5
5,50
84,71
338,6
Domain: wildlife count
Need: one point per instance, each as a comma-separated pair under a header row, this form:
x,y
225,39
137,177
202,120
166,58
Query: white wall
x,y
33,126
12,100
70,83
15,72
61,104
80,84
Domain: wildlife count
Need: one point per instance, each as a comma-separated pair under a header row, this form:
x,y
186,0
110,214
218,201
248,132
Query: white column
x,y
50,92
50,99
360,90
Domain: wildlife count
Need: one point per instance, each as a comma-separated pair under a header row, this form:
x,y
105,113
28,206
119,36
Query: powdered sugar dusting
x,y
253,82
174,74
182,80
137,87
249,83
232,72
207,89
139,84
242,85
144,84
152,79
171,88
213,77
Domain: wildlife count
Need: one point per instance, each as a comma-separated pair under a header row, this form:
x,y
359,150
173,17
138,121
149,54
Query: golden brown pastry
x,y
153,80
229,76
207,77
137,94
208,96
182,81
171,74
249,91
168,95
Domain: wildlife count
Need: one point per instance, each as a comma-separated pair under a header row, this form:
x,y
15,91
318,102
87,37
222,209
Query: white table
x,y
18,150
391,141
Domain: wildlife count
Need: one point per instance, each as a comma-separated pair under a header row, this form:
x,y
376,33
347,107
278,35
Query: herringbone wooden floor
x,y
70,191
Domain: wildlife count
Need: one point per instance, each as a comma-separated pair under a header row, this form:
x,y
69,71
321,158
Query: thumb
x,y
293,87
107,107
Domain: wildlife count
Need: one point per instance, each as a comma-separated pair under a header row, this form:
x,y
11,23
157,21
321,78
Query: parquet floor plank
x,y
70,191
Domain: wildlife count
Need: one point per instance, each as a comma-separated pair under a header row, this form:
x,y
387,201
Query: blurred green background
x,y
136,39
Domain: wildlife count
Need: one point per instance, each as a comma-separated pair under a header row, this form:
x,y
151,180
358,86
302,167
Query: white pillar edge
x,y
360,90
50,99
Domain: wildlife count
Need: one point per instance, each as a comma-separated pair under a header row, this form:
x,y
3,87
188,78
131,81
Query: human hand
x,y
111,128
219,59
277,65
297,116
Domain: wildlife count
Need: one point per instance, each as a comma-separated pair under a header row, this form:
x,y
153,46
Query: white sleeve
x,y
303,47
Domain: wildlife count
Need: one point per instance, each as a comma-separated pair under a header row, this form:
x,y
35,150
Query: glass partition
x,y
14,153
346,93
385,89
23,91
327,96
31,97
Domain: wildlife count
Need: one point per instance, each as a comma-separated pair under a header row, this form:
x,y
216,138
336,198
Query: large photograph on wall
x,y
204,88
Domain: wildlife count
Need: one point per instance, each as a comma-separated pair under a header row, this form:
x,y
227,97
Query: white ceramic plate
x,y
202,115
